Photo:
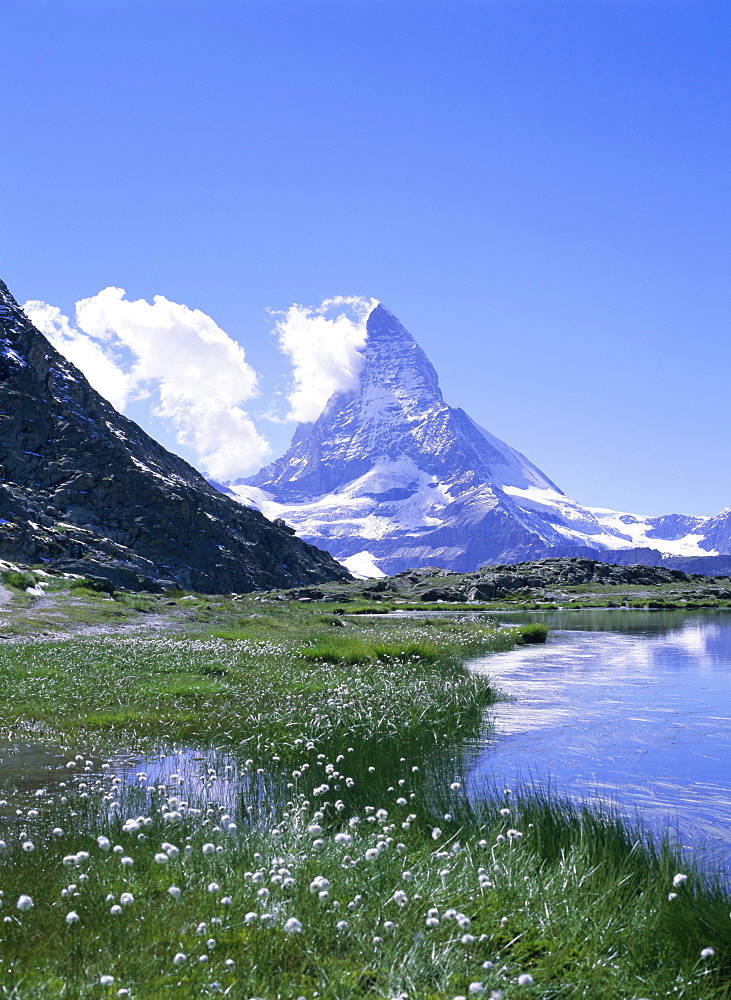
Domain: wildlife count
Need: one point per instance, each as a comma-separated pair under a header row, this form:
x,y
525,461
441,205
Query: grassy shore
x,y
325,847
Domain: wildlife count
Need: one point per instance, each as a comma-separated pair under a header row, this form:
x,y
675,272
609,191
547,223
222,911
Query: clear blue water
x,y
628,707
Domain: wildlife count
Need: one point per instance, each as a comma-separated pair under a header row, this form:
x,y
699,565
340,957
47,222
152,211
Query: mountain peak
x,y
390,477
394,361
396,414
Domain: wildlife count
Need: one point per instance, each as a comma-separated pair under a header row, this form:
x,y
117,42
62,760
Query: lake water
x,y
630,707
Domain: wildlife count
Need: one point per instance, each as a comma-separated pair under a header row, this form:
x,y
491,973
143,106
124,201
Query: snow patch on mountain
x,y
642,532
363,566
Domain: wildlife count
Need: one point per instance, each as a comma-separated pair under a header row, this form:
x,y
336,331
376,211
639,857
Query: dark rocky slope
x,y
83,489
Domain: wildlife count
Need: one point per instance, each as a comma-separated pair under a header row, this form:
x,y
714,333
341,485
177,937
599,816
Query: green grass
x,y
534,633
358,651
19,579
341,753
381,678
414,904
97,585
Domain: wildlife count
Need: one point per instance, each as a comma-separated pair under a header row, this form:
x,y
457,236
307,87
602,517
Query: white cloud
x,y
324,346
196,374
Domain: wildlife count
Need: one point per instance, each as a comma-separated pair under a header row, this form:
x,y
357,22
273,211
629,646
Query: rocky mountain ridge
x,y
85,490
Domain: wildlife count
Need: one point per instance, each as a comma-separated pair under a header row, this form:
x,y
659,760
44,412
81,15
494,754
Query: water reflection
x,y
640,714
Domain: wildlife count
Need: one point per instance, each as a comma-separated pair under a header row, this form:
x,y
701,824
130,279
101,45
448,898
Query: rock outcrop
x,y
83,489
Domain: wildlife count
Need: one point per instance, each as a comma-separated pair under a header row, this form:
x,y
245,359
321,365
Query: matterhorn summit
x,y
390,477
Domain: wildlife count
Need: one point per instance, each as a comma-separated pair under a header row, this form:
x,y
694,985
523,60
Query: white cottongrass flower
x,y
127,861
315,829
209,848
214,887
436,833
106,980
29,846
679,880
476,989
116,909
24,903
525,979
293,926
708,953
226,900
341,925
400,898
672,896
57,831
104,842
251,917
162,859
319,884
468,939
343,838
126,898
72,917
174,891
180,958
372,853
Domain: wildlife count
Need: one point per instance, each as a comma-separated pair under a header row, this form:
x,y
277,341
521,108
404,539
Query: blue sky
x,y
538,190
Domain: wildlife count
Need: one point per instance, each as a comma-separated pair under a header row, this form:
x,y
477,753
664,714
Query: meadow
x,y
322,846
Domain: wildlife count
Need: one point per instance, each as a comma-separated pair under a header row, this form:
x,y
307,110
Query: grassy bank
x,y
283,675
525,898
327,849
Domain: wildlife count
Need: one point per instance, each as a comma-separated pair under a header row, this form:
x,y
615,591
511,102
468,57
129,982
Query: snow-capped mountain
x,y
390,477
